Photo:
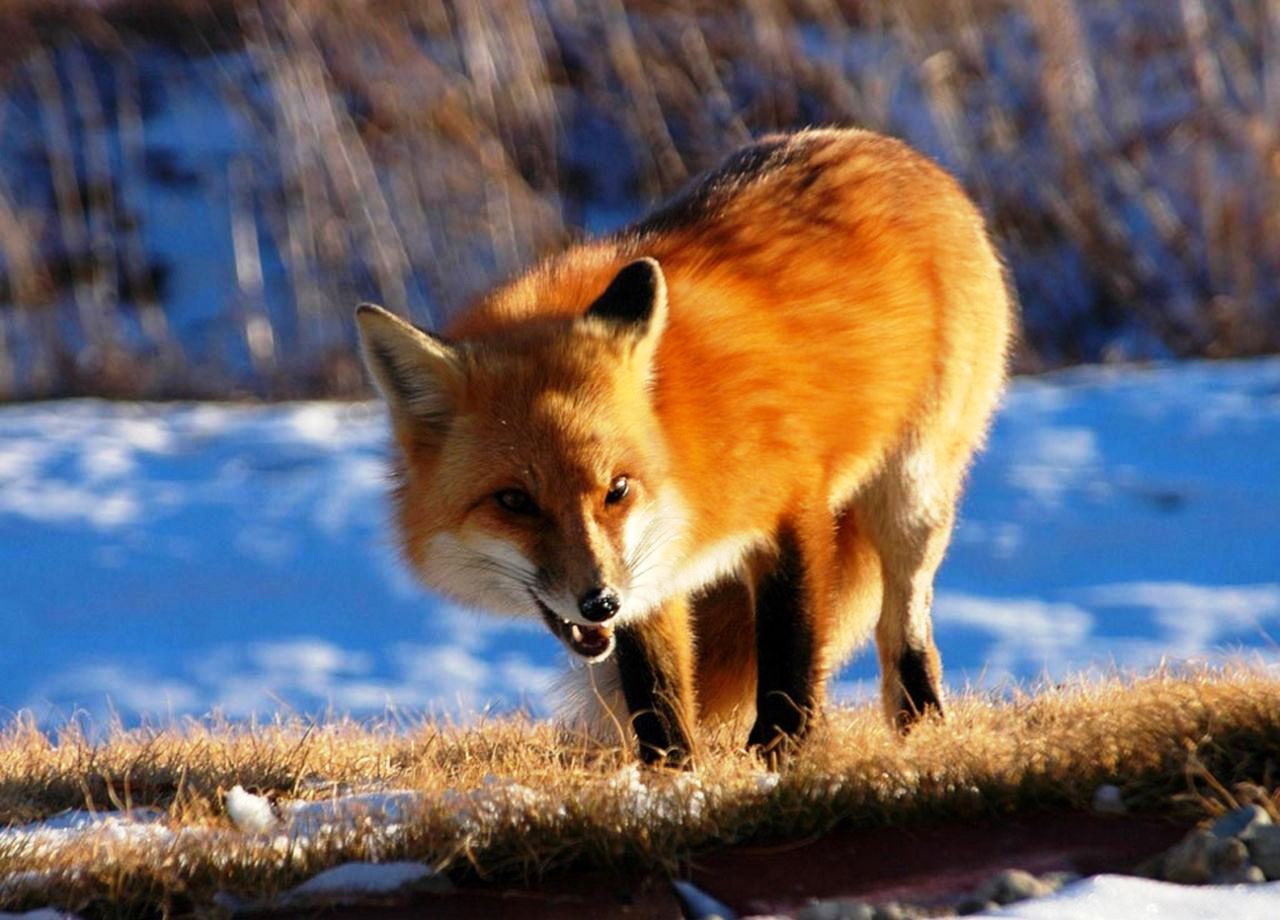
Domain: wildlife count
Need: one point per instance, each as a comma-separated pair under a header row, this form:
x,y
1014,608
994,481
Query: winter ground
x,y
1113,897
164,560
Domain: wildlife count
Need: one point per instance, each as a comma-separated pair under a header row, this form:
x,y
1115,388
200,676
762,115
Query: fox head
x,y
532,467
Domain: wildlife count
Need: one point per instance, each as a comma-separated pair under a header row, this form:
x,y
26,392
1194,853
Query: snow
x,y
1119,517
243,565
301,822
1116,897
139,825
361,878
168,560
251,813
386,809
647,798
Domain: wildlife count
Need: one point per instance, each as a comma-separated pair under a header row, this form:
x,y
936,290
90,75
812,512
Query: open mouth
x,y
593,643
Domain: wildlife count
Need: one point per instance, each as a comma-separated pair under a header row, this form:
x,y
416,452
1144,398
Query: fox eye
x,y
618,490
517,501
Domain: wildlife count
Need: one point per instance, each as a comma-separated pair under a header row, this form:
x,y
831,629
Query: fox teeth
x,y
576,632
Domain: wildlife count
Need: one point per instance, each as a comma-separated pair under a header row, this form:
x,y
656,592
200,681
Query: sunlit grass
x,y
515,799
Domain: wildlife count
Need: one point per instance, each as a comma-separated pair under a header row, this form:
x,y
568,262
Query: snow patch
x,y
648,797
1112,897
140,825
360,878
172,560
385,810
499,802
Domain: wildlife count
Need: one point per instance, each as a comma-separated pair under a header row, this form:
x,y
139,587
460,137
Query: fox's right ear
x,y
634,306
419,375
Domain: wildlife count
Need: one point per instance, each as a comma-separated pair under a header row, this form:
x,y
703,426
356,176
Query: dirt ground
x,y
926,865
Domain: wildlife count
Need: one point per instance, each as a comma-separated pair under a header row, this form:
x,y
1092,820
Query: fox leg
x,y
792,614
724,624
910,512
859,594
655,668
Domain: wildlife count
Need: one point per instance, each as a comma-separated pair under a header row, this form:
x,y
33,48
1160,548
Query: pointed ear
x,y
419,375
635,305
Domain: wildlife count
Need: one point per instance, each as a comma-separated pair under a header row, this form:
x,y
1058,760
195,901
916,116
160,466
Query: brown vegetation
x,y
1187,745
414,151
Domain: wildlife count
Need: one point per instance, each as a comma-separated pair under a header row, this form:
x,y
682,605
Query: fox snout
x,y
585,619
599,605
591,640
585,573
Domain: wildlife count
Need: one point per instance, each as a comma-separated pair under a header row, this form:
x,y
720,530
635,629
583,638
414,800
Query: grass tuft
x,y
514,799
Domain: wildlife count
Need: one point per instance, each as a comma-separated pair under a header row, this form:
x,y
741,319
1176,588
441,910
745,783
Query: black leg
x,y
919,675
654,663
786,686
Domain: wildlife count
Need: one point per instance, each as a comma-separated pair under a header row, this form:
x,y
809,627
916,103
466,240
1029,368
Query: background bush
x,y
193,195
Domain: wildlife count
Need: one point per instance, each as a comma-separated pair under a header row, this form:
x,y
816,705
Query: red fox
x,y
713,450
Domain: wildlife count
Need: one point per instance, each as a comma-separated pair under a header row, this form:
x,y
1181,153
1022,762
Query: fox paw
x,y
775,735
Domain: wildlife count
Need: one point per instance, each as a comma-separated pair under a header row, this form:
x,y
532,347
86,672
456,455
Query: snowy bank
x,y
173,559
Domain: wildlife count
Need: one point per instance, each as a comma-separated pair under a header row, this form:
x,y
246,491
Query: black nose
x,y
598,604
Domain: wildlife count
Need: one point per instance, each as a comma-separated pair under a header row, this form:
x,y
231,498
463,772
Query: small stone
x,y
1264,849
1154,867
975,906
697,903
1240,875
1188,863
1241,822
850,909
1228,855
1010,886
892,910
231,903
840,909
1108,800
1056,880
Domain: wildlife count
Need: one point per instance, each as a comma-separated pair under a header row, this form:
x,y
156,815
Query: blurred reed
x,y
415,151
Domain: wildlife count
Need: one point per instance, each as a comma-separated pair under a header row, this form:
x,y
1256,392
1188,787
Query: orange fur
x,y
834,344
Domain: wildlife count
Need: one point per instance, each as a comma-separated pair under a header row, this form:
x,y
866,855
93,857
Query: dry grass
x,y
413,151
1188,745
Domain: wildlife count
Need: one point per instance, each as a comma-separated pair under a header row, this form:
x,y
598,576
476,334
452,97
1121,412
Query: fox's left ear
x,y
419,375
635,306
